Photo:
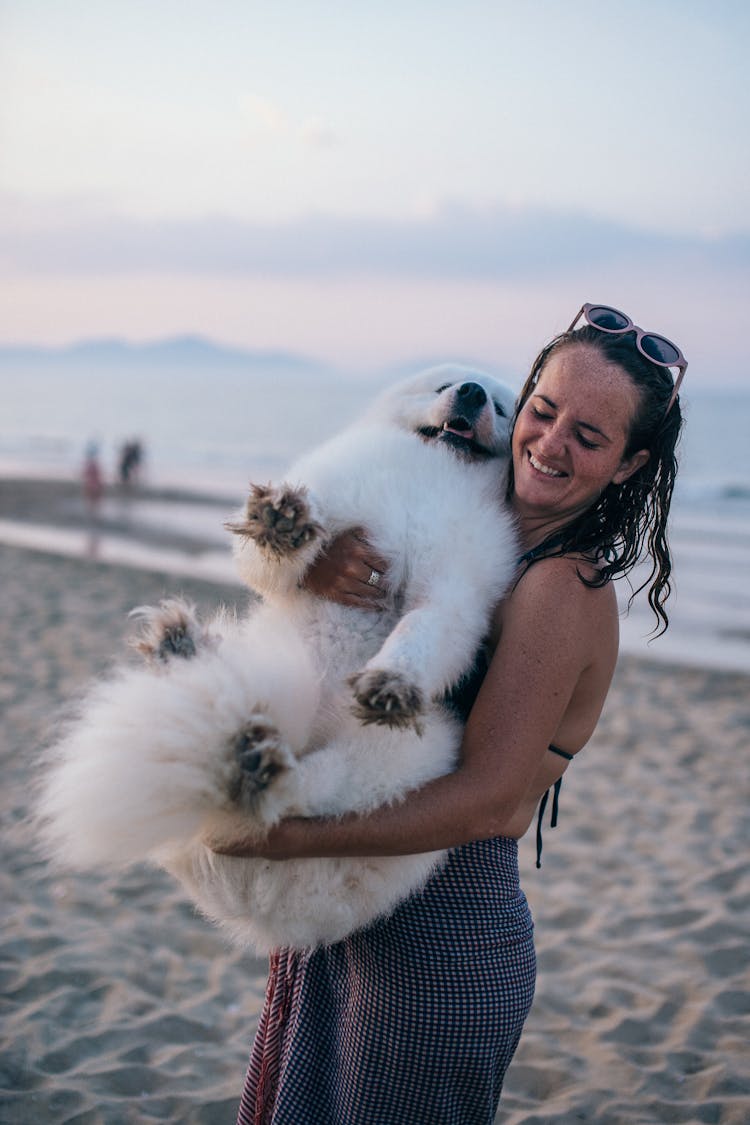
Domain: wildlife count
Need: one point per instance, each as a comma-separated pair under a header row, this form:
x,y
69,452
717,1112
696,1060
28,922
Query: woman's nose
x,y
552,440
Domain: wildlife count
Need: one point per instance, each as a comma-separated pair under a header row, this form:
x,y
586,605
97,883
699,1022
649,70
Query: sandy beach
x,y
120,1005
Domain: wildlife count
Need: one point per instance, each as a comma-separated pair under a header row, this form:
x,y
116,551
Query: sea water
x,y
216,430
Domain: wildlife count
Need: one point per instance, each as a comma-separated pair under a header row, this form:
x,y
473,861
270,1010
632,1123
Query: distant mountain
x,y
197,353
177,351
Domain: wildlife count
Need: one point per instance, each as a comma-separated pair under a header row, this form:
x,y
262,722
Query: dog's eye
x,y
499,410
440,390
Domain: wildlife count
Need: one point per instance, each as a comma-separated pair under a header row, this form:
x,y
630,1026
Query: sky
x,y
371,183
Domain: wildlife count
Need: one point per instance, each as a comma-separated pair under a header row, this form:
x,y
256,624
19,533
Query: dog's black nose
x,y
471,395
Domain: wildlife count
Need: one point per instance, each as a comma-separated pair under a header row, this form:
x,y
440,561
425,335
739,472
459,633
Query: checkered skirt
x,y
412,1021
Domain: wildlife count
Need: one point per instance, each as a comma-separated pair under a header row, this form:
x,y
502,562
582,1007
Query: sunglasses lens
x,y
660,350
609,320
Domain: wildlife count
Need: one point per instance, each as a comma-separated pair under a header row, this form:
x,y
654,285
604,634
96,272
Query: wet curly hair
x,y
628,521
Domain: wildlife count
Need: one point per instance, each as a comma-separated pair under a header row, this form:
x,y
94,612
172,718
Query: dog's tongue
x,y
459,427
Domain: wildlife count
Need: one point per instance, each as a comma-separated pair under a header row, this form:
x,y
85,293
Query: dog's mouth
x,y
459,434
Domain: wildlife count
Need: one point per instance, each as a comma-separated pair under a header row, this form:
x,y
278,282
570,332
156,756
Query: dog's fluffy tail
x,y
149,757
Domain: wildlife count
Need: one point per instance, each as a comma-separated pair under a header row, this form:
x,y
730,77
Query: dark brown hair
x,y
628,520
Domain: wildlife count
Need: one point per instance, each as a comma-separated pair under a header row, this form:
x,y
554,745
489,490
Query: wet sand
x,y
120,1005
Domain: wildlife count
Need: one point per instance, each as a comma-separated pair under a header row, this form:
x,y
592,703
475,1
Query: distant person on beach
x,y
92,481
414,1020
129,465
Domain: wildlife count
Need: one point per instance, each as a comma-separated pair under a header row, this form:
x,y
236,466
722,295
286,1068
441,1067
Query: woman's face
x,y
570,437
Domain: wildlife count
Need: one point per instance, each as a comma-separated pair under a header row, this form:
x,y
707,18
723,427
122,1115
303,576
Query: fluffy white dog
x,y
307,707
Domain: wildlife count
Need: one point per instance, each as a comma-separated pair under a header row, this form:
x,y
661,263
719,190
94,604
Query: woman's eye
x,y
539,414
587,444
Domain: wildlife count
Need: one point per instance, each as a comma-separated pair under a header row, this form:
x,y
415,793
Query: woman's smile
x,y
542,468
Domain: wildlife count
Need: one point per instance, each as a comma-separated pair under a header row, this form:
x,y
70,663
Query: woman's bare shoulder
x,y
551,595
563,573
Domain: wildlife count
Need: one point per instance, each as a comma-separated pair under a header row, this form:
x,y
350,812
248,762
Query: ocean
x,y
216,429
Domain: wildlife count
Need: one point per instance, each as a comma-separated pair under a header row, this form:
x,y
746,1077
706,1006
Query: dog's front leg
x,y
279,534
429,650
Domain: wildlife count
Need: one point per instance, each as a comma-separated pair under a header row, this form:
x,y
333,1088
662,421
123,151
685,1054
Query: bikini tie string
x,y
553,819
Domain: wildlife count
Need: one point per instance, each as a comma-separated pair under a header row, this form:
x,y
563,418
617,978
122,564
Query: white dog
x,y
306,707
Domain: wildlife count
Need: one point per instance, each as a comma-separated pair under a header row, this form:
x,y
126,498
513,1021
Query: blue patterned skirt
x,y
412,1021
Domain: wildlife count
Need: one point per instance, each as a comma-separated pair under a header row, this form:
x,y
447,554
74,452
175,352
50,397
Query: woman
x,y
414,1020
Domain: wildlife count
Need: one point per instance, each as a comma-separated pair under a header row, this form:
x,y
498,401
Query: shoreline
x,y
181,531
59,503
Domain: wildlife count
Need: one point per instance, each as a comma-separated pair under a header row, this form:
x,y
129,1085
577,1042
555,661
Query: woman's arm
x,y
548,626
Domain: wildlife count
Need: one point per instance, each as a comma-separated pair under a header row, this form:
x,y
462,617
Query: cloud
x,y
316,133
264,117
260,113
454,242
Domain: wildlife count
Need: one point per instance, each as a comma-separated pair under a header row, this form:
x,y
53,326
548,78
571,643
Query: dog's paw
x,y
261,756
387,698
169,630
277,519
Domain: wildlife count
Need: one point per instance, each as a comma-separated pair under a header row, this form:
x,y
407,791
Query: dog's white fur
x,y
155,762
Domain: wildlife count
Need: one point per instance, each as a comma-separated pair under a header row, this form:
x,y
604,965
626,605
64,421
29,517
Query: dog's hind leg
x,y
262,755
264,783
168,631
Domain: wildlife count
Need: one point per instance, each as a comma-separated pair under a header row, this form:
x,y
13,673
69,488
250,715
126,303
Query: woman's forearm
x,y
444,813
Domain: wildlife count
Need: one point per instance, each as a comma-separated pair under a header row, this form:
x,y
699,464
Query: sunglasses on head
x,y
658,349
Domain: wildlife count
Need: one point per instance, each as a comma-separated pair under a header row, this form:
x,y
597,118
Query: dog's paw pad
x,y
169,630
261,755
277,519
387,698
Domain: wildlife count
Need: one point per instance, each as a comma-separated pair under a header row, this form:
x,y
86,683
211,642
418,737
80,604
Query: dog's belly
x,y
302,903
339,641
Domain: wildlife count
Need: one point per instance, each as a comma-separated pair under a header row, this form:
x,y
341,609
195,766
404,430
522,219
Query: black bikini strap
x,y
562,753
550,544
553,819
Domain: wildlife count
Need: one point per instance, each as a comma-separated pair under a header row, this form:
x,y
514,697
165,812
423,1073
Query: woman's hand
x,y
350,571
284,841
